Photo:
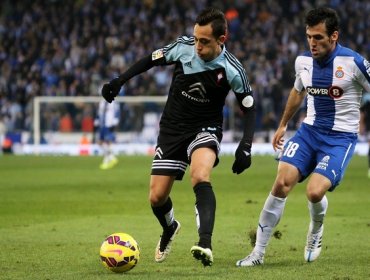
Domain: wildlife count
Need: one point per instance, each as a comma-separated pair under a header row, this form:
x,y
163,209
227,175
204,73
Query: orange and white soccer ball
x,y
120,252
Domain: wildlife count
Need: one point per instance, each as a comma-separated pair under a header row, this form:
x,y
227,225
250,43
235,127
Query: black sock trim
x,y
201,184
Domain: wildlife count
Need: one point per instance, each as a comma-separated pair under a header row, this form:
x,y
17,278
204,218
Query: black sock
x,y
206,208
164,214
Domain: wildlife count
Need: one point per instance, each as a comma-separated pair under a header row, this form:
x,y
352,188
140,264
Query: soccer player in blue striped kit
x,y
332,78
107,120
191,124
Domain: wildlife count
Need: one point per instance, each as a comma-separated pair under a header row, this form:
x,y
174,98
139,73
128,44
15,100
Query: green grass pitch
x,y
56,211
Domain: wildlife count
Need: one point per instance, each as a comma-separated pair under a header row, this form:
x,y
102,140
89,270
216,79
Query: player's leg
x,y
203,154
161,203
112,159
296,163
169,164
287,177
110,138
317,186
333,159
104,147
107,137
202,162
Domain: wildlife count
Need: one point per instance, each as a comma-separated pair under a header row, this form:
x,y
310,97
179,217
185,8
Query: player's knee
x,y
314,195
198,176
156,199
281,187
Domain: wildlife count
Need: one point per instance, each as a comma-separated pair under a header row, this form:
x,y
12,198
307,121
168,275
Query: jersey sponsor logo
x,y
316,91
198,88
339,73
157,54
195,90
334,92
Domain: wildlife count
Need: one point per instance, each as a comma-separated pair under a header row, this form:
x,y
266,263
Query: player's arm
x,y
110,90
295,100
243,152
362,120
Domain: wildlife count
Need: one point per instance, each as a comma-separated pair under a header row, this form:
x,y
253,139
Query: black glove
x,y
111,89
242,157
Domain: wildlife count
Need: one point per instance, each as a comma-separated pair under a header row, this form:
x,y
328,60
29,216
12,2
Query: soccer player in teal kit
x,y
191,124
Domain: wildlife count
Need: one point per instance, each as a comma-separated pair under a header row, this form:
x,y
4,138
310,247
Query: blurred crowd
x,y
71,47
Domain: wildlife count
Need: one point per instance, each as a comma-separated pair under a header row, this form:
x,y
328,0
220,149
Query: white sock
x,y
107,153
269,218
111,157
317,213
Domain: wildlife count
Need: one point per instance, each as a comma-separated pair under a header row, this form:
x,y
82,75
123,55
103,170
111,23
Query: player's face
x,y
206,45
321,44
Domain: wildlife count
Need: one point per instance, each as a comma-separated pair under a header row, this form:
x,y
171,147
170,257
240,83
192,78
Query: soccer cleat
x,y
109,164
104,166
202,254
164,244
254,258
313,246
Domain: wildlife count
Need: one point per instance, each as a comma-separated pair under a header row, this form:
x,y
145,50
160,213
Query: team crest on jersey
x,y
219,77
339,73
157,54
323,164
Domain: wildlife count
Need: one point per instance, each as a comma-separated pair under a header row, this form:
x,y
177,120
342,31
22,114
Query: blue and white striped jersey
x,y
334,88
108,114
199,88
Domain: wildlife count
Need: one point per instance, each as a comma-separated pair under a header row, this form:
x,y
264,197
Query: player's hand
x,y
243,158
278,139
111,89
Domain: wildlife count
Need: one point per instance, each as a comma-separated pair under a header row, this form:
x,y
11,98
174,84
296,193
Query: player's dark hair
x,y
216,18
323,15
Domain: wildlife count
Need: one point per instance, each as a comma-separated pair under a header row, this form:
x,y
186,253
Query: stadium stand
x,y
68,48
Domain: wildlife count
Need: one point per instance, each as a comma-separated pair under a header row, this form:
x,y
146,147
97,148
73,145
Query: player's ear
x,y
221,40
334,36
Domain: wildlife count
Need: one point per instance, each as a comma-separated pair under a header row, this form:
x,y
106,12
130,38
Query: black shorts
x,y
174,149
